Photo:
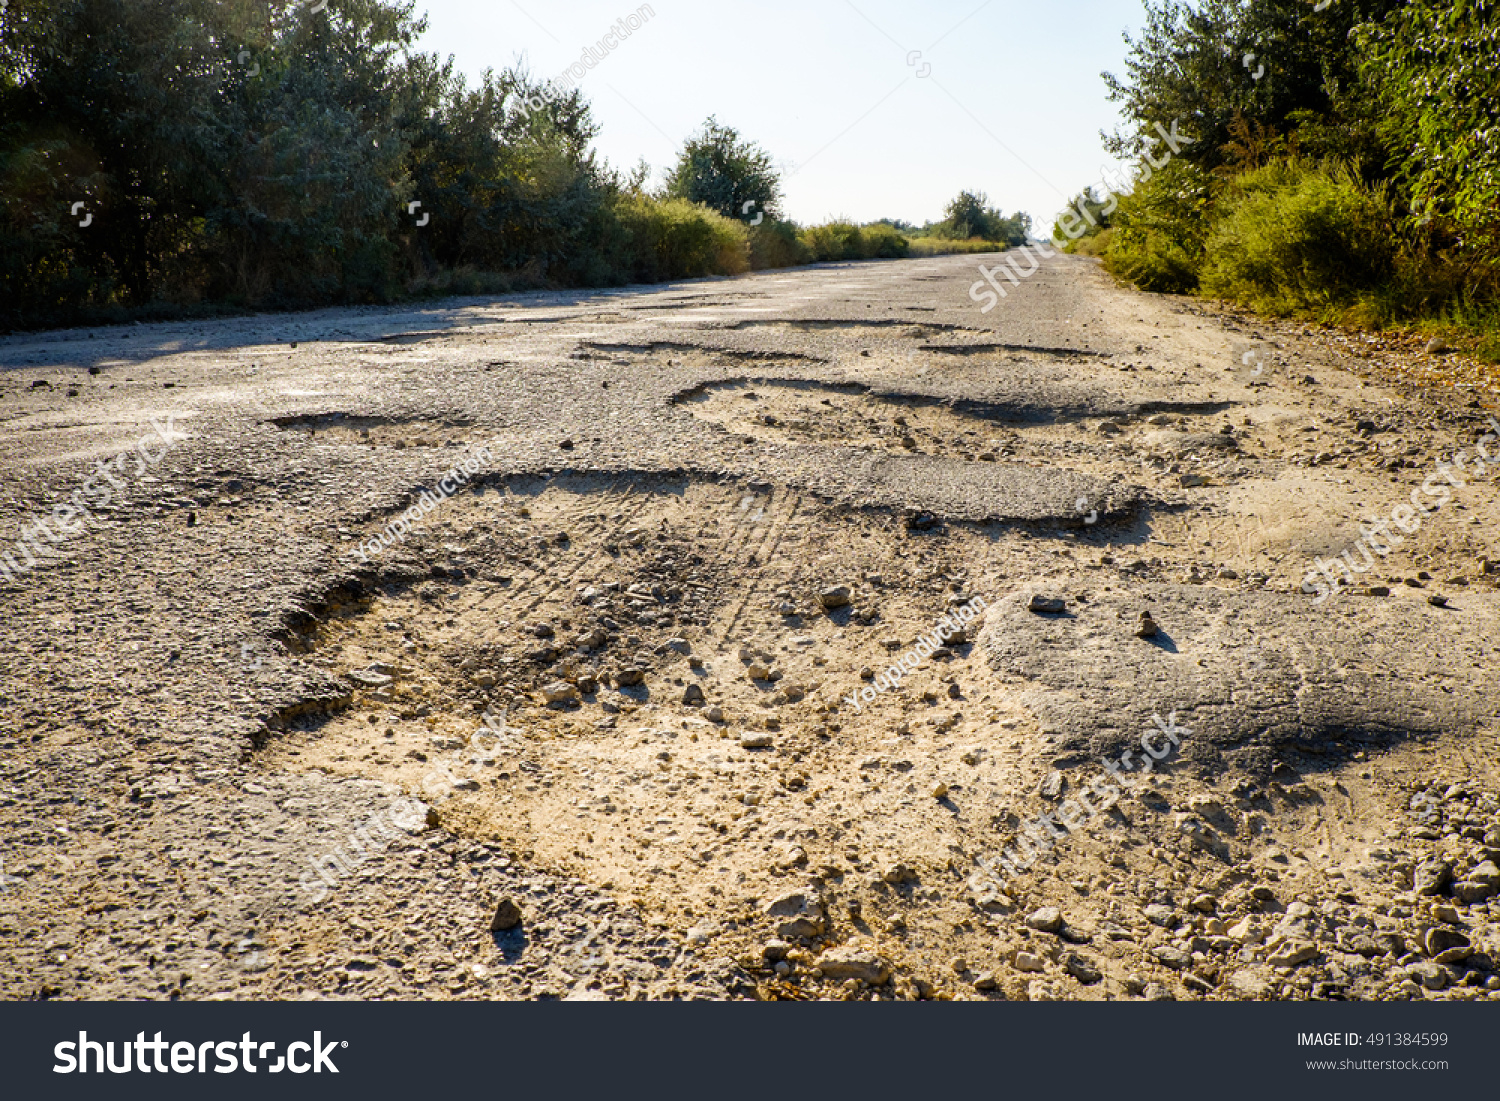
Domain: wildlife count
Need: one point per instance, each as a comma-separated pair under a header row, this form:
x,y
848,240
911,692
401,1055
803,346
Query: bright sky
x,y
876,108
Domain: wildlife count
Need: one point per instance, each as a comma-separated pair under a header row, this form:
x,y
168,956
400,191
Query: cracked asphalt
x,y
207,692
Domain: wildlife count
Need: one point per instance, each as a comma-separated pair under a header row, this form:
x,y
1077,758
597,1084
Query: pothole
x,y
394,432
643,608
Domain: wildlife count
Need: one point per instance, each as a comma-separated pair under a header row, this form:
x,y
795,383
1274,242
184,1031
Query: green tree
x,y
723,171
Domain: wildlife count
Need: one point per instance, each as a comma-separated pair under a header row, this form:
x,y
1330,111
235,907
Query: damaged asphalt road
x,y
210,696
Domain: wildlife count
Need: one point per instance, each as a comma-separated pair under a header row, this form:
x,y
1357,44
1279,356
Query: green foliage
x,y
776,244
720,170
943,246
968,216
1434,67
846,241
1160,227
1291,237
676,239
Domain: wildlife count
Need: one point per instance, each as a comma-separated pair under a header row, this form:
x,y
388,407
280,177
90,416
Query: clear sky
x,y
1005,96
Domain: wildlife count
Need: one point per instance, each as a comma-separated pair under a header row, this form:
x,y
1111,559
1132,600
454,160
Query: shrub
x,y
1159,229
676,239
1291,236
776,245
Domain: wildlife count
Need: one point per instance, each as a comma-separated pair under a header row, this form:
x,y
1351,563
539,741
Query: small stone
x,y
630,676
985,981
1290,953
774,950
758,671
1447,945
1025,961
835,596
1431,975
1169,955
1159,914
1438,600
1048,919
507,916
714,714
560,692
799,914
1083,969
1052,785
1470,893
755,741
1047,605
1245,931
971,755
939,790
1156,992
1192,481
852,962
1147,627
1487,872
1437,346
692,694
898,873
1431,877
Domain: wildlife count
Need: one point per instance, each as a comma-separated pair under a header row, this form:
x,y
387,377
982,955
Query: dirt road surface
x,y
670,698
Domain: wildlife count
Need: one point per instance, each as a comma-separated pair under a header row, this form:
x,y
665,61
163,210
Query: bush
x,y
776,245
942,246
1291,237
676,239
1159,229
846,241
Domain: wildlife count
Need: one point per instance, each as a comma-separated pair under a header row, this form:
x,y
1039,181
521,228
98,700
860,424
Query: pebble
x,y
755,741
1048,919
854,962
1047,605
835,596
507,916
1146,628
799,914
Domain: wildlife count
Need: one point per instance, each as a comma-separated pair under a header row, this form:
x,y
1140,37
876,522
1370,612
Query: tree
x,y
969,215
733,176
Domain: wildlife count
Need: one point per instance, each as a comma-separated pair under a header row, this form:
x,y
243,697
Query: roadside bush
x,y
1292,236
1159,229
941,246
776,245
676,239
846,241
